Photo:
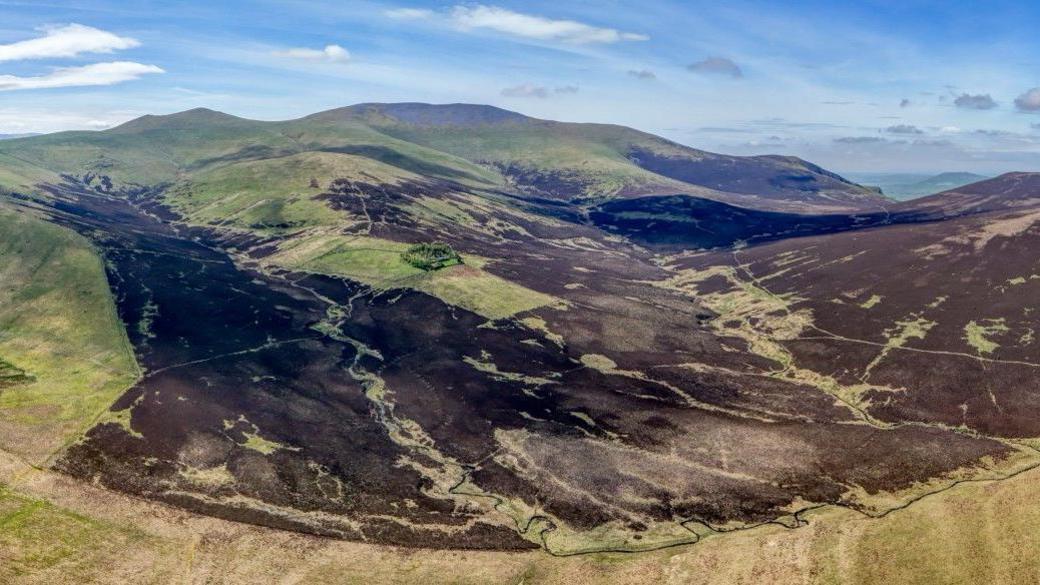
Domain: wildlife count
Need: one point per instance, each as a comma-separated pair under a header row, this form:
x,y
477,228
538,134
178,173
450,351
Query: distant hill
x,y
905,186
10,136
472,144
1008,192
566,160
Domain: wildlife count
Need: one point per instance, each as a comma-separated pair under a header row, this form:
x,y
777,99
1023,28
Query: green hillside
x,y
479,147
403,173
569,161
59,332
156,150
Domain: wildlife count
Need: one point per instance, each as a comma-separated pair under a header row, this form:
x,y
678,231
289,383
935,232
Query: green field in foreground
x,y
42,543
58,325
378,263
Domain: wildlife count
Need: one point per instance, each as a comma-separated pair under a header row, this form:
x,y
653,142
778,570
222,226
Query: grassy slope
x,y
140,152
594,151
18,174
256,176
171,149
353,136
58,324
597,155
377,263
41,543
265,194
181,149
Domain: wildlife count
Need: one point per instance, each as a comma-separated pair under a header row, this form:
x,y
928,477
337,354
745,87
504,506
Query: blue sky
x,y
864,86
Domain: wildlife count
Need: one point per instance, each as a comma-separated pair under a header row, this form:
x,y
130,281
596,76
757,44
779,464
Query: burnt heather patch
x,y
619,421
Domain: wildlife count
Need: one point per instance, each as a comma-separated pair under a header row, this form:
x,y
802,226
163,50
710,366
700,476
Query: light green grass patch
x,y
593,155
978,334
439,209
872,302
377,263
59,326
276,193
17,175
42,543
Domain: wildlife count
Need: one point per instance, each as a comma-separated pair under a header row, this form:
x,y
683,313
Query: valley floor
x,y
55,529
764,404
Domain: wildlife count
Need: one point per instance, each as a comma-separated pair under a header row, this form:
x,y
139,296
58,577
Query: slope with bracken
x,y
941,312
562,387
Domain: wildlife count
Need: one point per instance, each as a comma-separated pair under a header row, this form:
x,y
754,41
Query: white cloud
x,y
536,27
408,13
93,74
330,54
66,41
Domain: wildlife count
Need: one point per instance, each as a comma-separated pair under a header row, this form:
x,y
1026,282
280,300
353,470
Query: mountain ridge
x,y
545,158
1007,192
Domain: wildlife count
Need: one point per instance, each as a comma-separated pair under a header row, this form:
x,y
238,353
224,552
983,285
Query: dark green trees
x,y
431,256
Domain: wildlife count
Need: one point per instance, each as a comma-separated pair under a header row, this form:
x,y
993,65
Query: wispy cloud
x,y
859,140
536,27
34,119
717,66
408,13
87,75
330,54
904,129
645,74
995,133
982,101
66,41
526,90
530,90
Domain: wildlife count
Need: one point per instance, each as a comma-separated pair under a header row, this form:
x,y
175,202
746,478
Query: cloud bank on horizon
x,y
858,86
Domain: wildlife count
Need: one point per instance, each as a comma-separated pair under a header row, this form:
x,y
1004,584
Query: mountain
x,y
468,143
1008,192
626,344
568,161
910,186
